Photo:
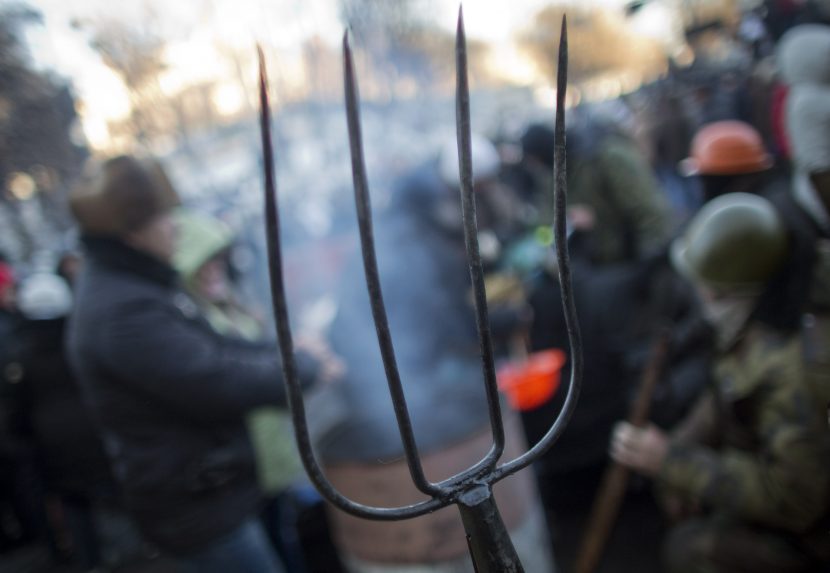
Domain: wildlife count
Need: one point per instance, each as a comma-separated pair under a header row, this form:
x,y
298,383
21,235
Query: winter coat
x,y
53,415
621,310
170,395
201,238
607,173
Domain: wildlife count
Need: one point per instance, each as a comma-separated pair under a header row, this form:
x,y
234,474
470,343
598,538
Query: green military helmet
x,y
735,241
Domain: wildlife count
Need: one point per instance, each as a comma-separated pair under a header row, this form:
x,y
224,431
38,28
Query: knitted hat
x,y
804,55
808,125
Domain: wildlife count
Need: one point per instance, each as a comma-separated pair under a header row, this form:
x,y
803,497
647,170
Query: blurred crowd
x,y
138,382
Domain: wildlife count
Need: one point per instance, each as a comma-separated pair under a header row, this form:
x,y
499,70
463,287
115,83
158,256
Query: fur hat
x,y
121,195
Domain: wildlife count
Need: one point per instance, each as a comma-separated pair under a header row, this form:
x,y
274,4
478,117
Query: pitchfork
x,y
471,490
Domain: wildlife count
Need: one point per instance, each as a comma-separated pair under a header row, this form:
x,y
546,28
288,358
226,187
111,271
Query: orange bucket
x,y
532,383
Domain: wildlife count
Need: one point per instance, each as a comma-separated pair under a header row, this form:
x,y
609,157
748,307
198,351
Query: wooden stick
x,y
615,481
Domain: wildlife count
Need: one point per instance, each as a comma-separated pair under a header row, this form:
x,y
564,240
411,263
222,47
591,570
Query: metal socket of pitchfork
x,y
490,546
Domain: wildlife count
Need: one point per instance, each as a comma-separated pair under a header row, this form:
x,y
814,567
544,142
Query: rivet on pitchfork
x,y
471,490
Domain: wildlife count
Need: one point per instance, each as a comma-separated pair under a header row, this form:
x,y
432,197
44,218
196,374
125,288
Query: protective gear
x,y
486,162
726,148
736,241
121,195
45,296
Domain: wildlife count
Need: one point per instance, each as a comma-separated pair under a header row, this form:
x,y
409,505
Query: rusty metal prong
x,y
289,366
370,267
468,205
562,259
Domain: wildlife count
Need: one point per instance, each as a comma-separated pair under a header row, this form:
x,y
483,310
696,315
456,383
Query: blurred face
x,y
157,238
727,311
211,280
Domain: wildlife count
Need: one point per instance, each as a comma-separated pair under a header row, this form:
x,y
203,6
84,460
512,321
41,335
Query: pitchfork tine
x,y
468,204
471,490
370,266
562,259
295,397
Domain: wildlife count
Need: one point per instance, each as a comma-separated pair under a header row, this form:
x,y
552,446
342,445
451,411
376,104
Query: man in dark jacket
x,y
168,391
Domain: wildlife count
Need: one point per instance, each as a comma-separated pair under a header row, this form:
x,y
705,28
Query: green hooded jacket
x,y
200,238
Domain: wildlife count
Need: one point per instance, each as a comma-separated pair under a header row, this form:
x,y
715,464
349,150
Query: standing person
x,y
610,177
169,393
806,208
748,471
22,514
613,196
201,259
808,120
69,451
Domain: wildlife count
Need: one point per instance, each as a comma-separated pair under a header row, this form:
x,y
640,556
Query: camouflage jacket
x,y
616,182
767,459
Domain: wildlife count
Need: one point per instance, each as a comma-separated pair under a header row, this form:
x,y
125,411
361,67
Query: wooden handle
x,y
615,480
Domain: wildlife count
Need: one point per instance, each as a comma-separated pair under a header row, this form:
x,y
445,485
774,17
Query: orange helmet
x,y
726,148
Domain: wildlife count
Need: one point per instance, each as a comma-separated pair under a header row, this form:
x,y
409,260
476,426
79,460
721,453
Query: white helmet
x,y
485,158
45,296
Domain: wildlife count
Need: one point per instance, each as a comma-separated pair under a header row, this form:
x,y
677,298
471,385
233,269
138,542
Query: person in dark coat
x,y
22,519
168,391
614,200
52,417
621,310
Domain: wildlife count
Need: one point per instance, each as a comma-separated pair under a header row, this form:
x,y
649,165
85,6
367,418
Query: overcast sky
x,y
280,25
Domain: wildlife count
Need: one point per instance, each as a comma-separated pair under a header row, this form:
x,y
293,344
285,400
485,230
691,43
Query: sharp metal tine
x,y
560,234
278,296
471,242
286,345
367,244
490,544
